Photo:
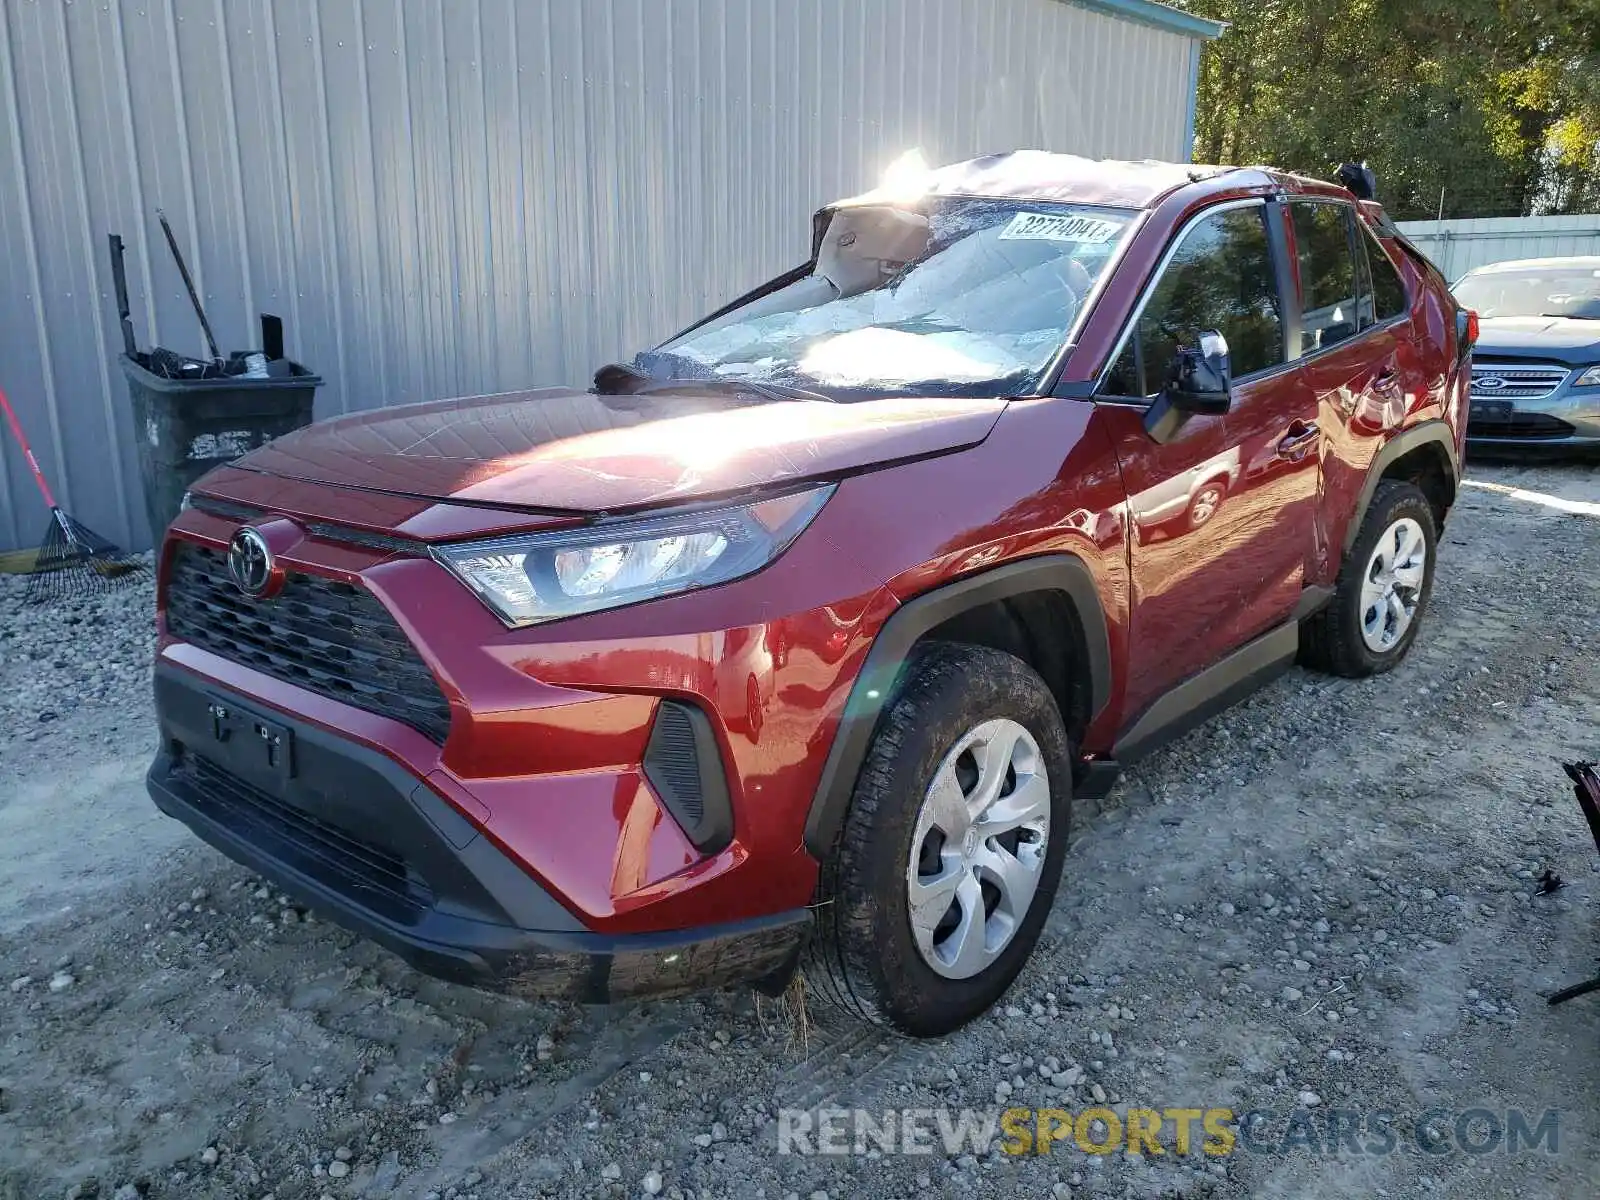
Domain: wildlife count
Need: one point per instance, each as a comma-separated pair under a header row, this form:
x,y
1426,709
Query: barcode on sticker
x,y
1052,227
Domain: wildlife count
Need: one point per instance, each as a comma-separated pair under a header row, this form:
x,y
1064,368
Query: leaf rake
x,y
72,559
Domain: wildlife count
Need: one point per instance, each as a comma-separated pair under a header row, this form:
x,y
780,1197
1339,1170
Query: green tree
x,y
1494,103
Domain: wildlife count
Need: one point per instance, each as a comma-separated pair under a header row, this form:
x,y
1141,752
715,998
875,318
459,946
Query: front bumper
x,y
549,746
354,835
1568,420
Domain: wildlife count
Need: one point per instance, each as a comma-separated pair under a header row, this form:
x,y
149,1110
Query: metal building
x,y
1458,245
447,198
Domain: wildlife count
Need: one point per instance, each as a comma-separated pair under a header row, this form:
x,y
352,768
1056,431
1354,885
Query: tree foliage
x,y
1494,102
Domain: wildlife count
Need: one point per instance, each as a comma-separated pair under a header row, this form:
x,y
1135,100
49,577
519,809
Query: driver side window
x,y
1220,277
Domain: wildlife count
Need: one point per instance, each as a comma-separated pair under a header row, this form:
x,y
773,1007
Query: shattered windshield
x,y
969,297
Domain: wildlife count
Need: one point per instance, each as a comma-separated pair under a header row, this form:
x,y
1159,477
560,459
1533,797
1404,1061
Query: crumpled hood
x,y
1565,340
584,453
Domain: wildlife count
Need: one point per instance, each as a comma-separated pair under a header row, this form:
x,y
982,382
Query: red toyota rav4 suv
x,y
788,645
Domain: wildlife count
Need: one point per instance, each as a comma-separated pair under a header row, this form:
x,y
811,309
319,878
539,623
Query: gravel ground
x,y
1325,898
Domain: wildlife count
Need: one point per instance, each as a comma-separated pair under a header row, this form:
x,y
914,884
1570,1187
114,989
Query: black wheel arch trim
x,y
1050,572
1396,448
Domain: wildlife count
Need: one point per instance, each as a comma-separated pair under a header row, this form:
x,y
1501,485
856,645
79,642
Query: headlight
x,y
1589,378
546,576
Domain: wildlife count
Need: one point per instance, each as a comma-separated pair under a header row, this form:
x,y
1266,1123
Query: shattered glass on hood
x,y
980,311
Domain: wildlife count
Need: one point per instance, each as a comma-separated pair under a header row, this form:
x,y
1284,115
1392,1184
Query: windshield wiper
x,y
763,387
626,379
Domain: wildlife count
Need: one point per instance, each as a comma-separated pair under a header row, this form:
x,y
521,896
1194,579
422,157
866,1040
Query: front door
x,y
1222,515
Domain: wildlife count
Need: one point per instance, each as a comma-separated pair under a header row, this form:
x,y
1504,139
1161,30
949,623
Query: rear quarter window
x,y
1388,289
1419,261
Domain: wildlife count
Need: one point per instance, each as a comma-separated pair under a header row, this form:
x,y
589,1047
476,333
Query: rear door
x,y
1356,352
1221,516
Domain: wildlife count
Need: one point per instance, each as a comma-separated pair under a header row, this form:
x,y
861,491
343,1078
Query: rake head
x,y
74,560
1585,778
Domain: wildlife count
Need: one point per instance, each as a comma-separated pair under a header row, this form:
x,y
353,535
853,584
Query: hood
x,y
580,453
1567,340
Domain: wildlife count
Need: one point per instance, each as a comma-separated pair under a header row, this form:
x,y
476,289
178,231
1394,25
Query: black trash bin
x,y
187,426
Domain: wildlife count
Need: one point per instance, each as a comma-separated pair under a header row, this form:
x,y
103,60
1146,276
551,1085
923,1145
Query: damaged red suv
x,y
788,645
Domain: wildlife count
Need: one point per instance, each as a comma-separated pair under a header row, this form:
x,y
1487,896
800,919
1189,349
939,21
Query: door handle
x,y
1297,443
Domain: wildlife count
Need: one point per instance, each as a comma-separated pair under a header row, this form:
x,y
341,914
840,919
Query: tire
x,y
865,957
1336,639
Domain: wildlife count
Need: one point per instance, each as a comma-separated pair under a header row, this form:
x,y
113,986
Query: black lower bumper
x,y
352,834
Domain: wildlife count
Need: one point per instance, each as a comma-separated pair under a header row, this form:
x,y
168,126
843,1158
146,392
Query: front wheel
x,y
945,870
1382,590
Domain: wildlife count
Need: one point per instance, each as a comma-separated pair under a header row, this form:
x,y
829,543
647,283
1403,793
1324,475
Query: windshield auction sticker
x,y
1054,227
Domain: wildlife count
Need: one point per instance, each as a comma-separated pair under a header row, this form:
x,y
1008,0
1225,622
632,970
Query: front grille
x,y
376,878
319,634
1531,381
1521,425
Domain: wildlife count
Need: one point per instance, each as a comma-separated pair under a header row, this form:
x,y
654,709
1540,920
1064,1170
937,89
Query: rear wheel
x,y
948,862
1382,590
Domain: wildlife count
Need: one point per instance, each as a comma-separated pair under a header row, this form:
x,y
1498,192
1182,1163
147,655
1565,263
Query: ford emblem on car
x,y
1489,383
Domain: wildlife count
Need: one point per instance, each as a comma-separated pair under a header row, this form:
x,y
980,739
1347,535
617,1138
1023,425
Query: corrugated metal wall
x,y
1459,245
445,199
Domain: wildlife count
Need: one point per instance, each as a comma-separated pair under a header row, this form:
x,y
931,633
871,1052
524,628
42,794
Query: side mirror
x,y
1199,383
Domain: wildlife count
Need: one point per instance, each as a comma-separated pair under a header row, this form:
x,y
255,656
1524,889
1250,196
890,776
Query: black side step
x,y
1204,695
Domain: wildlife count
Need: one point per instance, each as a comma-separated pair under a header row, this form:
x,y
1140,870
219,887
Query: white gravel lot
x,y
1326,898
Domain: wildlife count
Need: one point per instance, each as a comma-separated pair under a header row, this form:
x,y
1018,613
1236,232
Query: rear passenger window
x,y
1389,294
1327,274
1366,312
1220,277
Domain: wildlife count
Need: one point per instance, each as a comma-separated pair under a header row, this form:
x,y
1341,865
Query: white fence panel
x,y
1459,245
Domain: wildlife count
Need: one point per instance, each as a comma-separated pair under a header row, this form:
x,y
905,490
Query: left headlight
x,y
546,576
1589,378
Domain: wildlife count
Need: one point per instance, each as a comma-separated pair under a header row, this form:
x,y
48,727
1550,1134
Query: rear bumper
x,y
355,836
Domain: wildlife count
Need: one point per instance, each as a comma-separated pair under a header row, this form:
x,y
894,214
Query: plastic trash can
x,y
187,426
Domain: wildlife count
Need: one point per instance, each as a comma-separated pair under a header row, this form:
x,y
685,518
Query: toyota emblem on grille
x,y
249,562
1490,383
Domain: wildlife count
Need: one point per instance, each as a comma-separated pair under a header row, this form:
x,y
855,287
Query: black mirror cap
x,y
1358,180
1202,404
1199,383
1200,380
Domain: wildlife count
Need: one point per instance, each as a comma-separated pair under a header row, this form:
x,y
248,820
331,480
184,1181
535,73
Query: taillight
x,y
1466,330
